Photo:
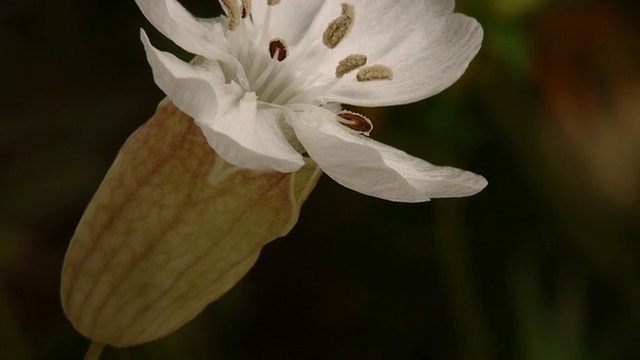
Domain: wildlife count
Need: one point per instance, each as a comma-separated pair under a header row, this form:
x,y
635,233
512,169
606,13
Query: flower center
x,y
281,77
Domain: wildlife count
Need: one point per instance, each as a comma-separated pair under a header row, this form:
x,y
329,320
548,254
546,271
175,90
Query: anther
x,y
246,8
355,122
233,13
339,28
374,72
349,64
273,2
277,49
349,11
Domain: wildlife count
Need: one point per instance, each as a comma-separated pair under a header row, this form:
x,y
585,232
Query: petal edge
x,y
375,169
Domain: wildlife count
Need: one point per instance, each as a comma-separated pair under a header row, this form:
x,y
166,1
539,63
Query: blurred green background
x,y
543,264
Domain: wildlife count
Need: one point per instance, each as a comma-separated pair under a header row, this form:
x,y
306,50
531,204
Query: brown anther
x,y
278,49
273,2
340,27
233,13
375,72
350,63
246,8
355,122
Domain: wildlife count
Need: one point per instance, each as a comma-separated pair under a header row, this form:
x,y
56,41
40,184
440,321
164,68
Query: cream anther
x,y
233,13
350,63
355,121
349,11
246,8
374,72
278,49
339,28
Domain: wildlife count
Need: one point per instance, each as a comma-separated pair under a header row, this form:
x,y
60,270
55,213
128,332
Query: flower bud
x,y
171,229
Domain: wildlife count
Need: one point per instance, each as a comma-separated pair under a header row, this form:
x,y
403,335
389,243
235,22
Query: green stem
x,y
94,351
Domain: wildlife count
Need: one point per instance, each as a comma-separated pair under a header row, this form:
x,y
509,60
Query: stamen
x,y
233,13
276,83
311,93
278,49
246,8
313,55
375,72
339,28
350,63
244,44
273,2
266,23
266,73
355,122
255,65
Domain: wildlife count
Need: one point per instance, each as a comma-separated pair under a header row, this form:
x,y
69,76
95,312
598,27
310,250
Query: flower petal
x,y
190,88
424,63
441,7
198,36
226,115
302,22
292,20
426,45
251,138
373,168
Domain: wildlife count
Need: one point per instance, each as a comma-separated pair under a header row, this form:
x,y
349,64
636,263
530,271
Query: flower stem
x,y
94,351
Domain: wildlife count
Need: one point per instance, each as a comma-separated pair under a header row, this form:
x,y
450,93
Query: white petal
x,y
425,62
293,19
426,45
198,36
440,7
303,22
251,138
226,115
375,169
190,88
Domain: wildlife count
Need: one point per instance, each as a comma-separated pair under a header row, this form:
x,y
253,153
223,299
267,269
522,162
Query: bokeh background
x,y
543,264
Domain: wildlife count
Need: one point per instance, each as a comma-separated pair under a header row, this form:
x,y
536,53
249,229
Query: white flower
x,y
268,79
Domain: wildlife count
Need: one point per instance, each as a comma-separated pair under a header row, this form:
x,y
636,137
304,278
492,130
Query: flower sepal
x,y
171,228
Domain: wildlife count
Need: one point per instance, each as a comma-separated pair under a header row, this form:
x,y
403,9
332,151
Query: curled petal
x,y
226,115
189,87
249,137
198,36
375,169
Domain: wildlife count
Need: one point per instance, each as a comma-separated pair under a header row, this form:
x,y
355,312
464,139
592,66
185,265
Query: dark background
x,y
543,264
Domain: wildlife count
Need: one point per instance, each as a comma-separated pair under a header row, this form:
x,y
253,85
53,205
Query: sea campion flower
x,y
268,79
249,125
